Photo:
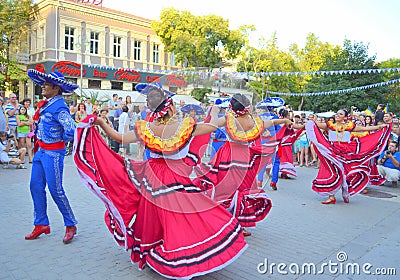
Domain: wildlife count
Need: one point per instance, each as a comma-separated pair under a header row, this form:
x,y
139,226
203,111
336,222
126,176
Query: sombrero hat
x,y
270,102
145,88
189,107
223,103
55,78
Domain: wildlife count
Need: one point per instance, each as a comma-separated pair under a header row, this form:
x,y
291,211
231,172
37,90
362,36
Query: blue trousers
x,y
48,168
215,147
275,168
276,161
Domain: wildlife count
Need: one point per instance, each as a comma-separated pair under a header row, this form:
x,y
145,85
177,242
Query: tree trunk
x,y
301,104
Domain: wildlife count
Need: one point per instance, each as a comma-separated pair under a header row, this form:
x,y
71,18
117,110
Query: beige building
x,y
95,47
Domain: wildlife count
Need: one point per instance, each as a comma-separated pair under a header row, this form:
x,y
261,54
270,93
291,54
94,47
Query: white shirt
x,y
89,109
333,136
123,123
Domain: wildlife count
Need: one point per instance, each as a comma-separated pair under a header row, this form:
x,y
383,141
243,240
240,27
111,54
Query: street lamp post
x,y
266,85
80,45
219,81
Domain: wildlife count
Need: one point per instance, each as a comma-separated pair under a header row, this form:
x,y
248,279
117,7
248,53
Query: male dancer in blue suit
x,y
54,128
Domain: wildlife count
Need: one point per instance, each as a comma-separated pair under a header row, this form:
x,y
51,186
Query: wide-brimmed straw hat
x,y
55,78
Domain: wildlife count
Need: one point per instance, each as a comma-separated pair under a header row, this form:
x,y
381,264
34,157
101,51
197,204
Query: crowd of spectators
x,y
16,121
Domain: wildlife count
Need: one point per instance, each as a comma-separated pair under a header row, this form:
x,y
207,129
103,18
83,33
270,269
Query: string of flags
x,y
246,75
336,91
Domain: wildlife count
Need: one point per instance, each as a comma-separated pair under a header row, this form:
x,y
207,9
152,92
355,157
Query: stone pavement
x,y
298,232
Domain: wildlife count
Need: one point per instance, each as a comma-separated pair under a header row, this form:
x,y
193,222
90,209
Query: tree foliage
x,y
318,56
352,56
200,94
197,40
14,25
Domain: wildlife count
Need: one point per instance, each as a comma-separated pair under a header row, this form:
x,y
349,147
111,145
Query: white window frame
x,y
43,38
137,50
69,38
156,53
94,42
172,59
117,46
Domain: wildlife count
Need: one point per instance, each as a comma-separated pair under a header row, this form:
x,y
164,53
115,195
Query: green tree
x,y
350,57
392,91
197,41
14,25
200,94
267,58
309,59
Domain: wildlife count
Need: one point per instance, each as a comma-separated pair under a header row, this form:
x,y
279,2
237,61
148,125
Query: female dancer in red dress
x,y
154,209
285,151
230,177
375,179
344,161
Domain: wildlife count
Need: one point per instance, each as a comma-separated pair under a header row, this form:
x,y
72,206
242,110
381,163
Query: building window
x,y
94,84
117,46
72,80
35,46
136,50
43,47
172,59
94,42
155,54
69,38
116,85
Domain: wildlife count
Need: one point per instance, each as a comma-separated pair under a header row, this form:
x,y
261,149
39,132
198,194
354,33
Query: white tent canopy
x,y
326,114
106,94
185,98
140,99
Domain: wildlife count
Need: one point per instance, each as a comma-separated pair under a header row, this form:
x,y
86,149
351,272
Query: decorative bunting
x,y
266,74
335,91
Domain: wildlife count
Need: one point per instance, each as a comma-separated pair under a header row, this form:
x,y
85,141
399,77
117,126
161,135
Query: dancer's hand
x,y
288,122
99,121
214,110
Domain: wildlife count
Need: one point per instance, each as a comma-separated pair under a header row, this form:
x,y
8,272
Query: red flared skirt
x,y
345,165
230,179
156,212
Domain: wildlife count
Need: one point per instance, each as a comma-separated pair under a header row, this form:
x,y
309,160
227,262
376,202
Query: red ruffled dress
x,y
344,164
230,177
285,151
154,210
375,179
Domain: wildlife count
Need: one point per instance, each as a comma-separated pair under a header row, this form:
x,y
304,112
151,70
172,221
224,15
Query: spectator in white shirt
x,y
11,110
89,106
123,127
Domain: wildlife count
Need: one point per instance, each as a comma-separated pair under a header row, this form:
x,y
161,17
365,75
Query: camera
x,y
10,136
388,152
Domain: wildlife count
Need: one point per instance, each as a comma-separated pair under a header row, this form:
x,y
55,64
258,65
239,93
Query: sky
x,y
375,23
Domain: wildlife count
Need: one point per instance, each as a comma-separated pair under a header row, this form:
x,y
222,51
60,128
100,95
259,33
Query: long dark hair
x,y
283,113
346,112
26,111
159,103
239,102
155,100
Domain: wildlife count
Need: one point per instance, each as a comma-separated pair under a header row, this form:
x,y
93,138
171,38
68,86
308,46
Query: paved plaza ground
x,y
299,234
